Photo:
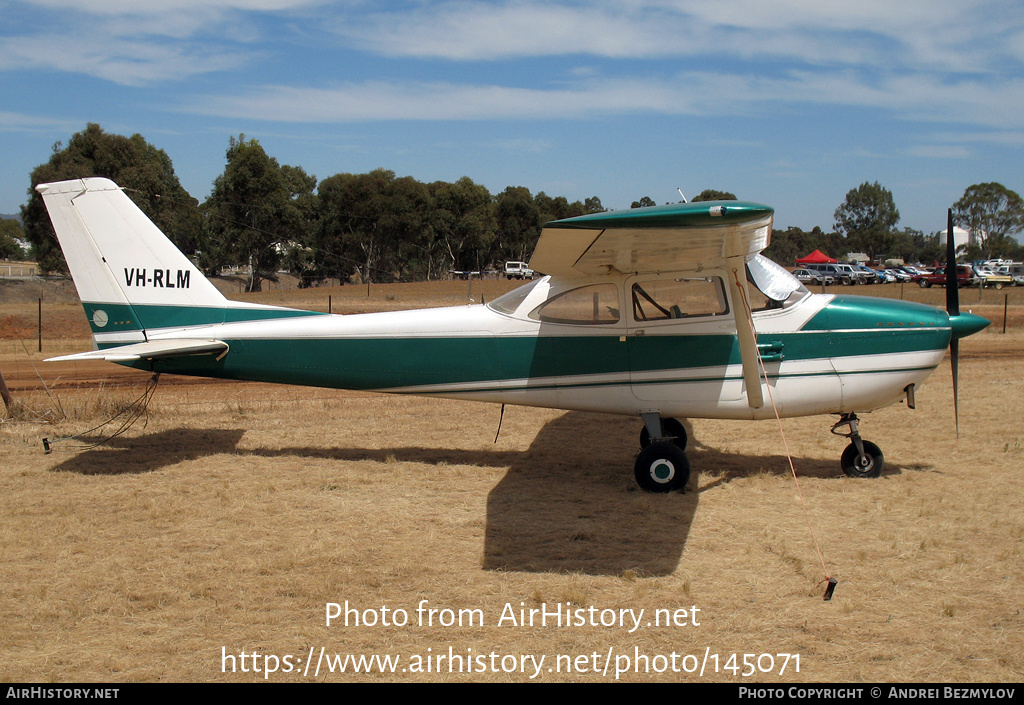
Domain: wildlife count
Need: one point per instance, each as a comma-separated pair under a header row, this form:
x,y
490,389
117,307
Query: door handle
x,y
771,352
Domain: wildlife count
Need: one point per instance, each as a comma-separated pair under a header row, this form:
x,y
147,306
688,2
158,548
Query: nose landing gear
x,y
861,458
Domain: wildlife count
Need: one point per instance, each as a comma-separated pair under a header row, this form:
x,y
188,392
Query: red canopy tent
x,y
817,257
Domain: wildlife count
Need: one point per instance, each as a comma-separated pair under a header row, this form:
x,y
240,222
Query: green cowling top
x,y
966,324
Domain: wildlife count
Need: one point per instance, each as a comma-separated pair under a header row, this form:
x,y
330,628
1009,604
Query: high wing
x,y
676,237
668,238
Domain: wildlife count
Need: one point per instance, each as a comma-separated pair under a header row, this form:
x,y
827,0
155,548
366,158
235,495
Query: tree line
x,y
265,217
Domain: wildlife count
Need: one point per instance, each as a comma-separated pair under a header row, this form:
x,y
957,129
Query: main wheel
x,y
924,283
868,465
670,427
661,467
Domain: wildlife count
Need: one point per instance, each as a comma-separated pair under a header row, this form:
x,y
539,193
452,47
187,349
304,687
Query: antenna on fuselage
x,y
681,194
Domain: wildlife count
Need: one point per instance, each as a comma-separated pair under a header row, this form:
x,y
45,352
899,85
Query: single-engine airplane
x,y
664,313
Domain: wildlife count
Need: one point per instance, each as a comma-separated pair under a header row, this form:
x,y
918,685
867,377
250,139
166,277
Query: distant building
x,y
961,237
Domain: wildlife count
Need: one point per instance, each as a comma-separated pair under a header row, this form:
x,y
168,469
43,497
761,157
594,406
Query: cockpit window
x,y
663,299
597,304
778,287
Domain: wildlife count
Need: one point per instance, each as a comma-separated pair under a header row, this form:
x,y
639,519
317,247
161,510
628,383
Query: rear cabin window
x,y
597,304
686,297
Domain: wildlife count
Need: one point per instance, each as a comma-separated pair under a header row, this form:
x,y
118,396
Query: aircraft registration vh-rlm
x,y
663,313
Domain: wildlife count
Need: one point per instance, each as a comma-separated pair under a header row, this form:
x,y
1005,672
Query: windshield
x,y
508,303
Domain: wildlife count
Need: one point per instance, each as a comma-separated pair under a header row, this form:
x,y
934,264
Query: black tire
x,y
670,427
924,283
661,467
869,466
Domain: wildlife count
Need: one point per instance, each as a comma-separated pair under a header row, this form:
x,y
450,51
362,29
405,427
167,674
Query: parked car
x,y
518,270
809,276
870,275
965,276
899,275
914,272
990,277
842,273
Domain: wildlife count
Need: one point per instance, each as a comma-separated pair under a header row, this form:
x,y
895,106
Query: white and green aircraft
x,y
664,313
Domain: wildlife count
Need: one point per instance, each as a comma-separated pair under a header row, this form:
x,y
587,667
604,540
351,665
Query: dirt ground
x,y
210,540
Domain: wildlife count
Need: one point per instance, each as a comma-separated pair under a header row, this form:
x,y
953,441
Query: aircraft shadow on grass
x,y
567,504
146,453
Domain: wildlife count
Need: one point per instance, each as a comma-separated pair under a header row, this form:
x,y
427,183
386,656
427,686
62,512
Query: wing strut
x,y
736,267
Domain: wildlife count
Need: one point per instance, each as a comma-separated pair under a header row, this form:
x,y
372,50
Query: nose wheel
x,y
661,465
861,458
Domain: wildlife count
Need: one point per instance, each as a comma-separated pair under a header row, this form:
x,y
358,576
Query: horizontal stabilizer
x,y
151,351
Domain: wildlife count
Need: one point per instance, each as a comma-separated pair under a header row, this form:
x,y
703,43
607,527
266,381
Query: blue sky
x,y
790,103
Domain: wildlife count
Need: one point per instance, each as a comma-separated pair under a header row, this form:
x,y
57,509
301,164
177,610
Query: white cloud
x,y
20,122
940,151
438,101
689,94
963,35
164,7
116,59
130,43
995,104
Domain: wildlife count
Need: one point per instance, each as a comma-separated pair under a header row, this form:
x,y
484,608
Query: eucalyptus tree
x,y
868,217
143,171
463,221
991,212
376,226
258,209
518,224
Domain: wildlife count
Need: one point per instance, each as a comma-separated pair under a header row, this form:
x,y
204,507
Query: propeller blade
x,y
952,283
953,309
954,361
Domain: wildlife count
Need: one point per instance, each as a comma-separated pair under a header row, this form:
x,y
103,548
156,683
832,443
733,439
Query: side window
x,y
665,299
597,304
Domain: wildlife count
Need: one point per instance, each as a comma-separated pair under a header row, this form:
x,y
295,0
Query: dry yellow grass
x,y
229,521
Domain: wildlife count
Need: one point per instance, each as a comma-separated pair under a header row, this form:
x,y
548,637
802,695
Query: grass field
x,y
228,519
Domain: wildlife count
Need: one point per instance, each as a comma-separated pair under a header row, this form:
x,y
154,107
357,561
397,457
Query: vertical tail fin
x,y
129,276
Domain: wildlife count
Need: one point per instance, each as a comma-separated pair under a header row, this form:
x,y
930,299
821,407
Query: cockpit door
x,y
682,340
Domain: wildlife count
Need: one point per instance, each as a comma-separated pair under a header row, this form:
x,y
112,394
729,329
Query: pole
x,y
329,309
40,324
5,393
1006,303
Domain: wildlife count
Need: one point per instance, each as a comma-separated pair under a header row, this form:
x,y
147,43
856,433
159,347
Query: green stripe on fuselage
x,y
383,363
117,318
